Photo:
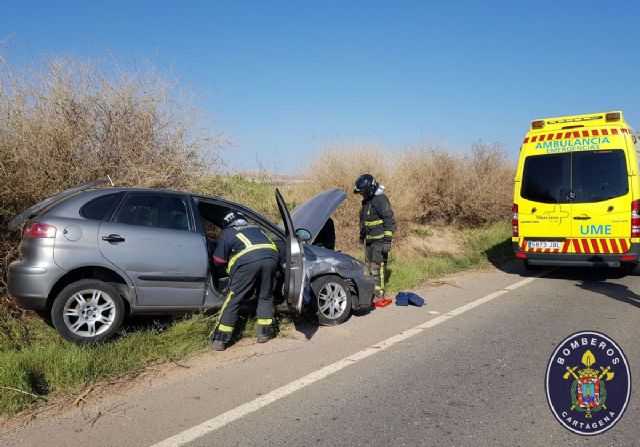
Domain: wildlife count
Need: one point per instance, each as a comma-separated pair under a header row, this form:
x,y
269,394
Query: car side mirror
x,y
303,235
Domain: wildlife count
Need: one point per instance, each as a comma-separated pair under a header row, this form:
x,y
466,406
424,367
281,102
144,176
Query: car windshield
x,y
575,177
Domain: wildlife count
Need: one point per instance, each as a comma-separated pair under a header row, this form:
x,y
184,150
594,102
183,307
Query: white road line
x,y
284,391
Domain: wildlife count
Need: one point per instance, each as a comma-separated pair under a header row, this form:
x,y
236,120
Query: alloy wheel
x,y
332,300
89,312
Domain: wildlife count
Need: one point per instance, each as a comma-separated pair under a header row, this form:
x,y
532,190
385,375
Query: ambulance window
x,y
599,175
546,178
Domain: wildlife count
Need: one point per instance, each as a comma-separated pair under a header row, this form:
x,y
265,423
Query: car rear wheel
x,y
87,311
332,300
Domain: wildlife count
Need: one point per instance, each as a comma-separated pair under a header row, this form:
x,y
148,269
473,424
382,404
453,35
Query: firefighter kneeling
x,y
377,225
251,259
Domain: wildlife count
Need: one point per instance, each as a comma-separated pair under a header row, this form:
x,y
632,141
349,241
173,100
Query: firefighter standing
x,y
377,225
251,259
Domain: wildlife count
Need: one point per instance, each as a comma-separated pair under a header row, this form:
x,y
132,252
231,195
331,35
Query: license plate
x,y
544,245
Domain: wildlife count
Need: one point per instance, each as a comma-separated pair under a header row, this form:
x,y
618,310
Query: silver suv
x,y
91,256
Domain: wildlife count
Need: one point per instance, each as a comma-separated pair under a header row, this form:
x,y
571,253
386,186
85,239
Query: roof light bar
x,y
612,116
537,124
573,120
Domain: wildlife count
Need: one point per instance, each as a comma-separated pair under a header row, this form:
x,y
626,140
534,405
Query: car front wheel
x,y
87,311
332,300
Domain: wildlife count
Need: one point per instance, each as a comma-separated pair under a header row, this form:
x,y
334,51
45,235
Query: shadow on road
x,y
616,291
501,255
306,326
586,274
598,280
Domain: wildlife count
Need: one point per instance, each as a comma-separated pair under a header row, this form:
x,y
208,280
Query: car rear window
x,y
591,176
96,208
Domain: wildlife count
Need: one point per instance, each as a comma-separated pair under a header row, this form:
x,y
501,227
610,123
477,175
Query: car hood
x,y
314,213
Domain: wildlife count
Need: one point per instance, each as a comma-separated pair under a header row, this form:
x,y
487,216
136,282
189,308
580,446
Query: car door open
x,y
294,259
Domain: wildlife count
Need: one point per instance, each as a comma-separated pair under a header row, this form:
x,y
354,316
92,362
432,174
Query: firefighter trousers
x,y
375,256
247,278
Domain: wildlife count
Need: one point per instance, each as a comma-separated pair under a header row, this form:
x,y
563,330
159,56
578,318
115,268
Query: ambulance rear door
x,y
544,206
601,210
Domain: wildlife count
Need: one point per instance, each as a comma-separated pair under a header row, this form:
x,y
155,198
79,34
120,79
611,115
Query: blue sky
x,y
285,78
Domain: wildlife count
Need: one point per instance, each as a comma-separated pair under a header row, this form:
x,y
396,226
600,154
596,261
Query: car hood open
x,y
314,213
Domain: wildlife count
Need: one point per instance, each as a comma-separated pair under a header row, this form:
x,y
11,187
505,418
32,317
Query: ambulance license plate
x,y
544,245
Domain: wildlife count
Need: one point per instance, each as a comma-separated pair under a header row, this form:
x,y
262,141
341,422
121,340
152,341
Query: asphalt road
x,y
470,377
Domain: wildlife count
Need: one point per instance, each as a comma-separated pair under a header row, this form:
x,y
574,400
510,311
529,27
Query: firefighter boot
x,y
220,340
265,333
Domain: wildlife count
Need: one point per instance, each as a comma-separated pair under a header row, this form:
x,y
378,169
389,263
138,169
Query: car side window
x,y
95,209
151,210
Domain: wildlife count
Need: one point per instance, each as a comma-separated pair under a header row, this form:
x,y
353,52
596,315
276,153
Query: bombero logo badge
x,y
588,383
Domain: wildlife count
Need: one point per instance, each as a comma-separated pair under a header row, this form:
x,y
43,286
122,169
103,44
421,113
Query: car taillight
x,y
514,220
39,230
635,218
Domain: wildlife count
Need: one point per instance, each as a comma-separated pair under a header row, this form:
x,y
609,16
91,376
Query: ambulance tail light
x,y
612,116
514,220
635,218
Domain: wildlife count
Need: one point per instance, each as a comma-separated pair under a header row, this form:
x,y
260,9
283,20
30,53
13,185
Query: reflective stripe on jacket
x,y
241,245
377,221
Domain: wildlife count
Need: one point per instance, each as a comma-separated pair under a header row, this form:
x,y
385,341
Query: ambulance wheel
x,y
331,300
631,268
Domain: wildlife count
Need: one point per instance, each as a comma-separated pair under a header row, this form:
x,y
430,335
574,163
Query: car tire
x,y
87,311
331,301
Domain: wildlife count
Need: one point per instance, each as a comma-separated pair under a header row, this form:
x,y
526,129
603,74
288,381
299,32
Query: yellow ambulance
x,y
577,193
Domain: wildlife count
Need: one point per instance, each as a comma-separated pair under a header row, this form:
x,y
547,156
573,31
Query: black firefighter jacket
x,y
376,219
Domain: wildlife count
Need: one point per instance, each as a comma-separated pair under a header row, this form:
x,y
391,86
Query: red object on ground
x,y
382,302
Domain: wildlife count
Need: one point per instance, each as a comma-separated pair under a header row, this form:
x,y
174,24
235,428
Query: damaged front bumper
x,y
364,293
321,261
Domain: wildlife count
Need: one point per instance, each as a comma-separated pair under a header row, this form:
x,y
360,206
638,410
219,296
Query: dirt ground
x,y
437,240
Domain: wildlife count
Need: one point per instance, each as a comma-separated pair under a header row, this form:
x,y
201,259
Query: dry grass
x,y
70,122
425,186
